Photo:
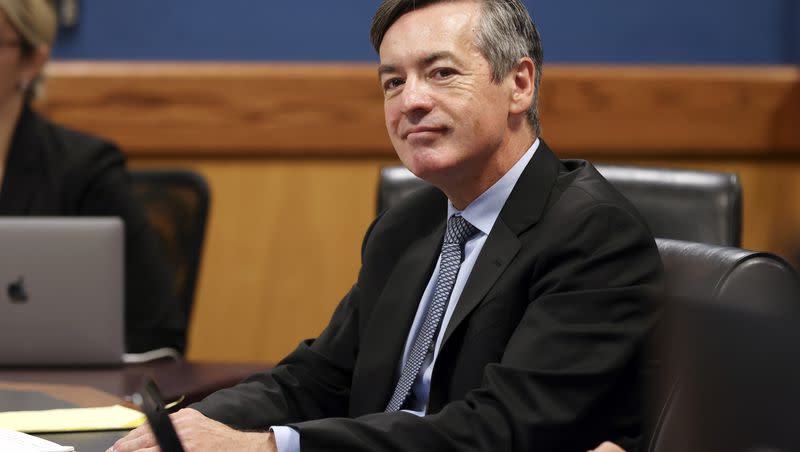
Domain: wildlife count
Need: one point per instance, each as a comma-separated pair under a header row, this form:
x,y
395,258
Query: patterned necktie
x,y
458,232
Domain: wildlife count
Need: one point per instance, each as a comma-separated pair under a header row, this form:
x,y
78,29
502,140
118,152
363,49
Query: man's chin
x,y
430,171
427,163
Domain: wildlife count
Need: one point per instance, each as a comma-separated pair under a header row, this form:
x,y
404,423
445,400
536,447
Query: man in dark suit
x,y
503,311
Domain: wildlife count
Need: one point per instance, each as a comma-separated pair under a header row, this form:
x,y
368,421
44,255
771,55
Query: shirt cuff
x,y
286,438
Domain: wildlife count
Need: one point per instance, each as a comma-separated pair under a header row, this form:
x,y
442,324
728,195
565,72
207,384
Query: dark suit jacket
x,y
541,354
53,171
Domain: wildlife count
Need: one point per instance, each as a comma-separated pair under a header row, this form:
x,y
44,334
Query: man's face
x,y
445,116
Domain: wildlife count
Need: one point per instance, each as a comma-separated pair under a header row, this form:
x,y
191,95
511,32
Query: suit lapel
x,y
522,210
24,167
500,248
392,319
394,312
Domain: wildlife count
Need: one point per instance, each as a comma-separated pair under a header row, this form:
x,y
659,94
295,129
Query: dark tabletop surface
x,y
194,380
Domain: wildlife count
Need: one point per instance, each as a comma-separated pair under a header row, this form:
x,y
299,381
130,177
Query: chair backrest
x,y
394,184
757,282
697,206
176,202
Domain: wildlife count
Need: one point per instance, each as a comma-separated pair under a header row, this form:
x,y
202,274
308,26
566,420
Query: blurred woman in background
x,y
48,170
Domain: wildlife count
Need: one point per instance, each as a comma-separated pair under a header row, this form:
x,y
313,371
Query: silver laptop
x,y
61,291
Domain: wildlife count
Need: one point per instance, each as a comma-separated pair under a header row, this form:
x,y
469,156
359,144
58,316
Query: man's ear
x,y
522,79
33,65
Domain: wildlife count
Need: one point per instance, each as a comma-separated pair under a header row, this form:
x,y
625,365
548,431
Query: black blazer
x,y
542,352
53,171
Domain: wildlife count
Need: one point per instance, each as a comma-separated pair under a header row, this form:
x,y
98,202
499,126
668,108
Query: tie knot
x,y
458,231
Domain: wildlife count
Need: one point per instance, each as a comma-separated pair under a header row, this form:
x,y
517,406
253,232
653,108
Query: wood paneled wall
x,y
292,154
300,110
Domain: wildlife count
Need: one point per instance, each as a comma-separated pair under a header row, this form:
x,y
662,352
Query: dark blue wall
x,y
596,31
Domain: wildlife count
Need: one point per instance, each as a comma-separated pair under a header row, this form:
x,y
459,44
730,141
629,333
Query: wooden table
x,y
88,387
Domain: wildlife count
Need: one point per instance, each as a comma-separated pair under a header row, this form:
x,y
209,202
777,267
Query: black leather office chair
x,y
394,184
747,281
698,206
177,203
751,280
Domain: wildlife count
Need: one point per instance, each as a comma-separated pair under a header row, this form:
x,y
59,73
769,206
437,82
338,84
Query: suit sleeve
x,y
153,315
589,308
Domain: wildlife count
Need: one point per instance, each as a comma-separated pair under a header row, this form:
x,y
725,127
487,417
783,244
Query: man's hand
x,y
197,433
607,447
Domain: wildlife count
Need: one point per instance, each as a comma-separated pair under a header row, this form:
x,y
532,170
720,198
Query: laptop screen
x,y
61,291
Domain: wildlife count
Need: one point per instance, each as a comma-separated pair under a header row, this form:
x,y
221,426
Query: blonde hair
x,y
35,22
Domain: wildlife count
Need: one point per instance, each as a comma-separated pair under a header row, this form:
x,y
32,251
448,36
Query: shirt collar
x,y
484,210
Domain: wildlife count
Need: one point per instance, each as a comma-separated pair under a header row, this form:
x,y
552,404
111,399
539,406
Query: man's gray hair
x,y
506,33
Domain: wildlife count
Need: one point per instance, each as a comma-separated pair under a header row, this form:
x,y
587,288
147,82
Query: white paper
x,y
11,441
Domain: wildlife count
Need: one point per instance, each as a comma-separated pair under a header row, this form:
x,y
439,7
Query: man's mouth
x,y
421,131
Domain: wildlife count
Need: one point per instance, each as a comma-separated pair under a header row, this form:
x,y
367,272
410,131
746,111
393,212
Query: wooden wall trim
x,y
265,109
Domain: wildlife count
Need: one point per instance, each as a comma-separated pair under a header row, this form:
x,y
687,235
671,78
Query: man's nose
x,y
416,97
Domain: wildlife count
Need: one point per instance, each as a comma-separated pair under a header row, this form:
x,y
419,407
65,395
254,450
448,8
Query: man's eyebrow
x,y
385,69
436,56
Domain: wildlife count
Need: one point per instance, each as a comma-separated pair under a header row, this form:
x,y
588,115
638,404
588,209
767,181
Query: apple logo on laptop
x,y
16,291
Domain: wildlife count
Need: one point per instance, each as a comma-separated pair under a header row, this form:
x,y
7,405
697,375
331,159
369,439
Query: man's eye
x,y
392,83
443,72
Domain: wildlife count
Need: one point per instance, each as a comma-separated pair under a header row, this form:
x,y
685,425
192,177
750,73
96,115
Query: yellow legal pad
x,y
115,417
